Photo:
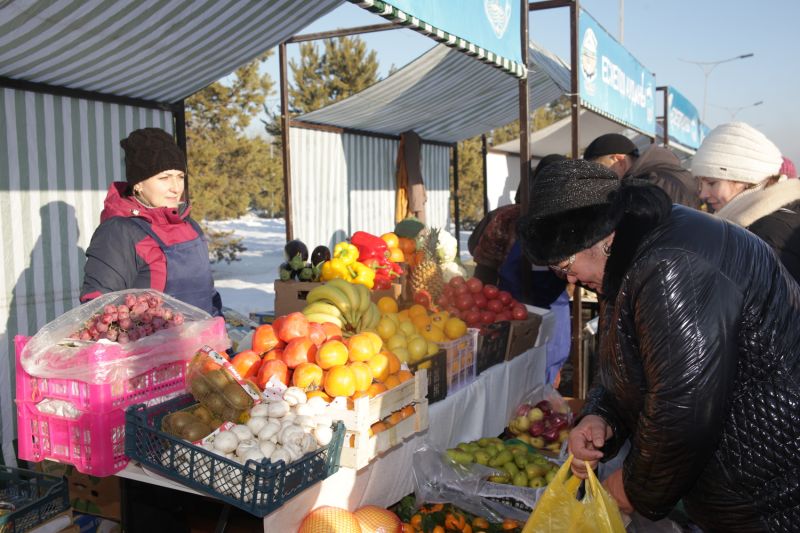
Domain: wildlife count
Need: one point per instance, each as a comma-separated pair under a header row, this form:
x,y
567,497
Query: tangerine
x,y
417,310
392,381
404,375
407,411
376,389
378,427
321,393
394,362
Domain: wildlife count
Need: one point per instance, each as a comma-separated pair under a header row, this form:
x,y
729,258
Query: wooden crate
x,y
366,411
360,448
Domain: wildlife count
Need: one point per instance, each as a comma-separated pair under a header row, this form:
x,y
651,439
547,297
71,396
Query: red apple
x,y
536,428
495,306
545,406
490,291
474,285
505,297
480,300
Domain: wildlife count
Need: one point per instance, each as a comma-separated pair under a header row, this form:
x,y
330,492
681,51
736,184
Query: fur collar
x,y
747,208
631,235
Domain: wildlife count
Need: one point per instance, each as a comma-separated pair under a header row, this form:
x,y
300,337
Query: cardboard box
x,y
98,496
290,296
523,335
394,292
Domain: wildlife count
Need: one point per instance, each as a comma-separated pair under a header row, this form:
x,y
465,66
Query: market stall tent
x,y
77,76
443,96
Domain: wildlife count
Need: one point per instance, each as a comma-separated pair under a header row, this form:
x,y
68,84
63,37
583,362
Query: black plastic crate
x,y
32,497
258,488
437,375
492,345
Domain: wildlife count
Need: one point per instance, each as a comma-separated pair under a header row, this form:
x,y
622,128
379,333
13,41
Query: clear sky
x,y
659,34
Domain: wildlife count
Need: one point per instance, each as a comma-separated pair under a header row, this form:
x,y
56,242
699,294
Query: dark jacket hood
x,y
119,204
661,167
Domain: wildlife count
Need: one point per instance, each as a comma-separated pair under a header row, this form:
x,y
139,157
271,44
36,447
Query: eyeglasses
x,y
565,270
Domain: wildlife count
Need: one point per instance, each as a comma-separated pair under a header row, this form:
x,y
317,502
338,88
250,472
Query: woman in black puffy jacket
x,y
700,354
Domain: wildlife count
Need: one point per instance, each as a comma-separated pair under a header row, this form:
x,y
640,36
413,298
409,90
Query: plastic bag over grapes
x,y
120,335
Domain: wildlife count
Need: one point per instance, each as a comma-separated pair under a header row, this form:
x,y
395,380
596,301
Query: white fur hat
x,y
738,152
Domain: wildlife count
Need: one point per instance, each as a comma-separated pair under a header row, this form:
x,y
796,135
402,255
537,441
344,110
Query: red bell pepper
x,y
369,246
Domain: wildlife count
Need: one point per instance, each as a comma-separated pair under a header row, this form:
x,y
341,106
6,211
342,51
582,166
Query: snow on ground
x,y
248,285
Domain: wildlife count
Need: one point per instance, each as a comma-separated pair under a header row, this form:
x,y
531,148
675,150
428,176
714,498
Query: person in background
x,y
699,362
657,165
788,169
739,172
498,257
146,239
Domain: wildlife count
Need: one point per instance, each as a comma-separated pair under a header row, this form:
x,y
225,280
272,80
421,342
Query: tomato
x,y
519,312
490,291
474,285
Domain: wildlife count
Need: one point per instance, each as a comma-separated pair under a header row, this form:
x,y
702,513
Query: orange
x,y
387,304
391,381
307,376
377,427
391,240
395,418
396,255
377,342
363,375
331,353
322,394
407,411
402,316
409,246
416,520
421,322
417,310
340,381
379,364
404,375
362,347
407,528
376,389
394,362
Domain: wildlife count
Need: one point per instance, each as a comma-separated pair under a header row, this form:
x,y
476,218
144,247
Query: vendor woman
x,y
146,239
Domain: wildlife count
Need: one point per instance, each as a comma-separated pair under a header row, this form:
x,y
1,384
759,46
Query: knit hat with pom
x,y
150,151
737,152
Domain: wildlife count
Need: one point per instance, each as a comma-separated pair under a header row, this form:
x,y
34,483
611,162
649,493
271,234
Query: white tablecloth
x,y
478,410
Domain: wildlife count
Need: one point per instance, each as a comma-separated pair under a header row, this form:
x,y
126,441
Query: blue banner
x,y
611,81
683,120
491,24
704,131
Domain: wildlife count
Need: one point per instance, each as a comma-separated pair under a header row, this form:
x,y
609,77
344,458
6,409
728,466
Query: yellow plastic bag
x,y
559,511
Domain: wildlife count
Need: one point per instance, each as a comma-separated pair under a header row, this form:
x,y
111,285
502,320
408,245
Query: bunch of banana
x,y
347,305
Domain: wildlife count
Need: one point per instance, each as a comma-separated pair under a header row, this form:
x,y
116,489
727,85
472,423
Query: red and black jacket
x,y
122,255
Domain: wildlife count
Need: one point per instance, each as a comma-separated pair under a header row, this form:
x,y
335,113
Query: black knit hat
x,y
571,209
148,152
610,143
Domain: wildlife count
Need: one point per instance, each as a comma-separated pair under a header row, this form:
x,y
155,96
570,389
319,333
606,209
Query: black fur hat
x,y
149,151
572,208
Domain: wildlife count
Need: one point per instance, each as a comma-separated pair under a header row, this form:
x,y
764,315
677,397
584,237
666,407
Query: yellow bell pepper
x,y
364,275
335,268
345,251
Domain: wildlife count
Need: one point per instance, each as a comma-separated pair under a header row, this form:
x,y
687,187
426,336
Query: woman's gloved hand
x,y
585,441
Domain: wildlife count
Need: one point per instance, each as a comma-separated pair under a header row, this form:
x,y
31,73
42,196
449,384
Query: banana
x,y
350,290
369,319
322,306
376,316
322,317
363,294
328,293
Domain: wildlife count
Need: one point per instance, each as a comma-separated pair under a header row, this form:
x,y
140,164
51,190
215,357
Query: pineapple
x,y
427,275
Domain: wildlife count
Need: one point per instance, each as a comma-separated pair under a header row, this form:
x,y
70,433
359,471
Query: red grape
x,y
130,300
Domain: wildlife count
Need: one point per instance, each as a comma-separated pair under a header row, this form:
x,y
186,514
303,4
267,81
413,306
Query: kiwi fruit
x,y
202,413
196,431
200,389
216,403
176,423
236,396
218,379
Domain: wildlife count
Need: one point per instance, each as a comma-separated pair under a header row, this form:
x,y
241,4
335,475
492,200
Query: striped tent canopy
x,y
446,96
146,49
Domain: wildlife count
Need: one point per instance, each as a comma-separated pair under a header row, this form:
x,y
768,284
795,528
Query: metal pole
x,y
455,200
524,112
666,114
287,169
485,176
179,116
621,21
580,376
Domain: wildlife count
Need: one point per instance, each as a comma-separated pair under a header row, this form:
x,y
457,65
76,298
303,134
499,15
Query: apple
x,y
523,409
545,406
550,434
490,291
537,442
537,428
535,414
559,421
523,424
563,435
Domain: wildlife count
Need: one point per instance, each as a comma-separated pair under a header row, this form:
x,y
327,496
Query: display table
x,y
478,410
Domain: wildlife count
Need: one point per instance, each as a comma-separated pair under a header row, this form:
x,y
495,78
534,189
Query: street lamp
x,y
708,67
736,110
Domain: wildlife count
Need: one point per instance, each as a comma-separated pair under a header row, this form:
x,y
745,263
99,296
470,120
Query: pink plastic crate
x,y
94,442
99,398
